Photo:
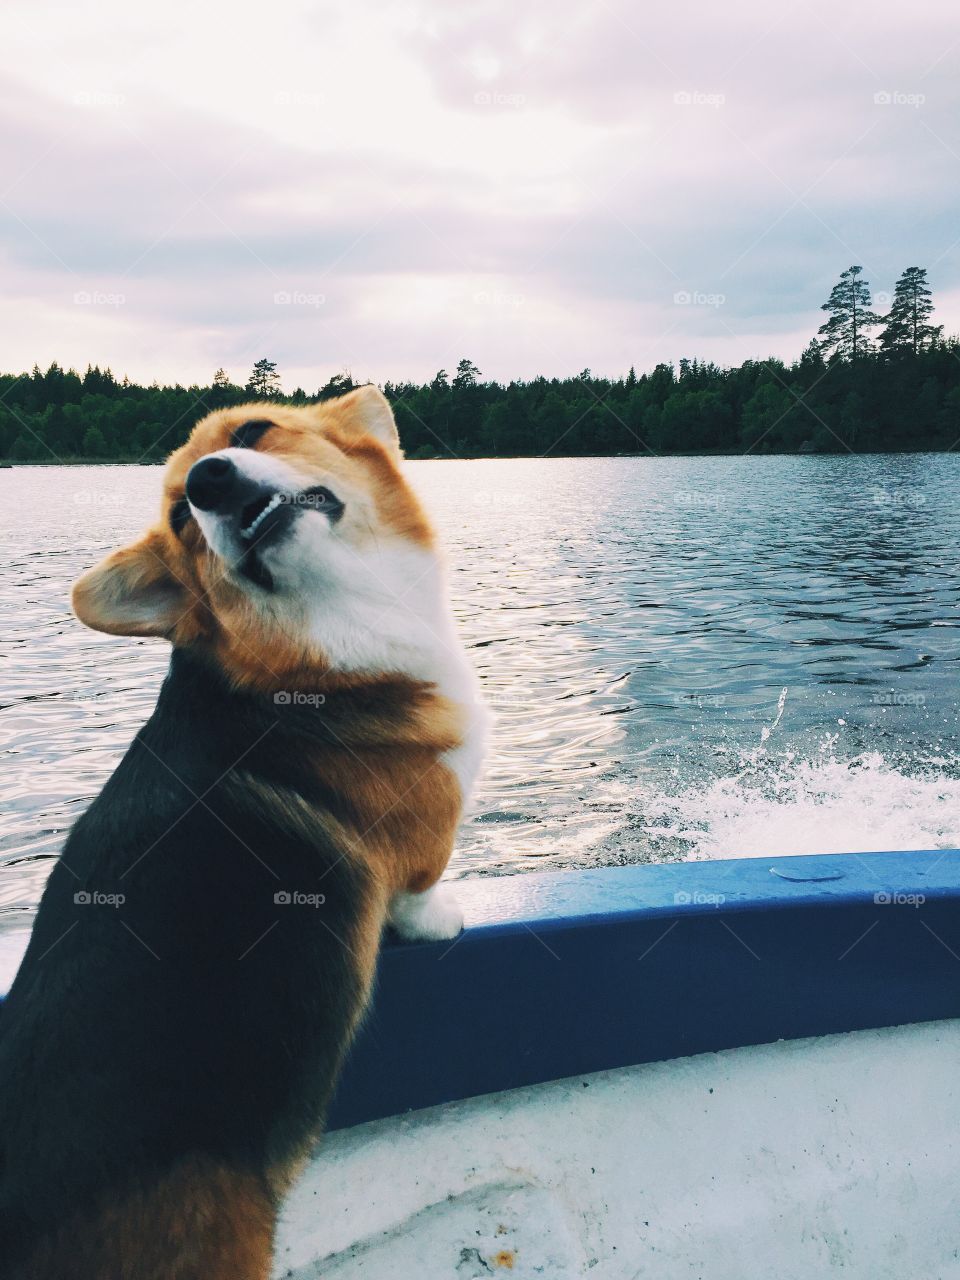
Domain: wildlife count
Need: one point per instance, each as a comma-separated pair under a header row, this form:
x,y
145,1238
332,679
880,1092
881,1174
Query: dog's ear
x,y
363,412
132,592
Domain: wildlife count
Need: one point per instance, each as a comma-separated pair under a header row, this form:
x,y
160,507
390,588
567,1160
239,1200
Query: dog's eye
x,y
248,433
179,516
323,499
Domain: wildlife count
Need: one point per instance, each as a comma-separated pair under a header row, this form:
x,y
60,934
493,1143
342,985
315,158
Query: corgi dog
x,y
206,944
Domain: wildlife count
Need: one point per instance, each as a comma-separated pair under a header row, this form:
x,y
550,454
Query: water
x,y
688,657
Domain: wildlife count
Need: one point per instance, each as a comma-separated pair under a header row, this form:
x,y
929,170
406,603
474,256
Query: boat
x,y
724,1069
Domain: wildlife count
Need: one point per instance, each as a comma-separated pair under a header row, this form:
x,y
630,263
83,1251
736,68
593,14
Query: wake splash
x,y
789,805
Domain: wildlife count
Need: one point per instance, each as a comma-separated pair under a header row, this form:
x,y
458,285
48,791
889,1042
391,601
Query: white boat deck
x,y
829,1156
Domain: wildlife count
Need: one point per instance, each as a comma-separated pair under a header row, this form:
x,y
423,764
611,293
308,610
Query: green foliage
x,y
839,396
264,381
845,333
94,443
908,329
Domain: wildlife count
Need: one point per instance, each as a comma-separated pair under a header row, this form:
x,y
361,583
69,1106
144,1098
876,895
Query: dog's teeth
x,y
254,525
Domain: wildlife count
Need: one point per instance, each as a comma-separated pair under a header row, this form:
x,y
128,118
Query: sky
x,y
388,187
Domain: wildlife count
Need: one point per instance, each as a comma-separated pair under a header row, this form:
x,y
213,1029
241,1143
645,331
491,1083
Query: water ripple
x,y
634,622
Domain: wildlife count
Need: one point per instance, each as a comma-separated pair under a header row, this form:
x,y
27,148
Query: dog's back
x,y
205,946
176,1027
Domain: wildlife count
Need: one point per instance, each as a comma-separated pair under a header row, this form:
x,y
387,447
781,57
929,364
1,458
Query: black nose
x,y
210,482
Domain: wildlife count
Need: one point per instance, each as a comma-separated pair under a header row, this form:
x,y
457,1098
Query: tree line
x,y
867,382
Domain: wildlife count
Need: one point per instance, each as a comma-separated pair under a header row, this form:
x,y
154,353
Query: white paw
x,y
426,917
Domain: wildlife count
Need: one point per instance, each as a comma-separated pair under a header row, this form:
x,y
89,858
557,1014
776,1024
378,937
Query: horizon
x,y
450,367
539,193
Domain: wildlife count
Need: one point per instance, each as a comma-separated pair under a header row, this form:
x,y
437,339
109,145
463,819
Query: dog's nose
x,y
210,483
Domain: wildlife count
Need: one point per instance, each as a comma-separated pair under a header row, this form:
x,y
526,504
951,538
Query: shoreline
x,y
536,457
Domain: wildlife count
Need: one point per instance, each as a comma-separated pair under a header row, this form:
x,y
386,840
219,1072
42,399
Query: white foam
x,y
788,805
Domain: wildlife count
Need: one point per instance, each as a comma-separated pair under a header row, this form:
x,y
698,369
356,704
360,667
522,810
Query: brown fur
x,y
201,1220
401,801
392,804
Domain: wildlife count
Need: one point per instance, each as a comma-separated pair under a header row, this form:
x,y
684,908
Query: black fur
x,y
200,1015
180,515
248,433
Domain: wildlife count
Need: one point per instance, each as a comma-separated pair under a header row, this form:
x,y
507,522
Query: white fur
x,y
426,917
221,532
385,609
379,606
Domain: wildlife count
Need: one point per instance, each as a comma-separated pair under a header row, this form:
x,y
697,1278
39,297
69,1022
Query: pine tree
x,y
221,380
466,375
907,327
338,385
850,316
264,380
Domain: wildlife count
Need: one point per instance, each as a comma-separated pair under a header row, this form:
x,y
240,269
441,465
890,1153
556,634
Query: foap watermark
x,y
704,700
318,500
897,98
912,498
498,701
84,696
98,98
97,898
495,298
890,698
693,498
896,898
97,498
497,98
298,98
295,898
499,498
298,698
697,98
98,298
698,899
696,298
298,298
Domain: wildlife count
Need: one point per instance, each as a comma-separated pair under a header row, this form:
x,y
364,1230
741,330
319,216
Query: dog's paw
x,y
426,917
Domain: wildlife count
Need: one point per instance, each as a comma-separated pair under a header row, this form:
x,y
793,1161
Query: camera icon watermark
x,y
892,698
492,98
897,98
913,498
298,298
298,698
697,98
298,98
97,98
694,498
696,298
704,701
894,898
97,498
294,898
95,898
498,498
495,298
698,899
98,298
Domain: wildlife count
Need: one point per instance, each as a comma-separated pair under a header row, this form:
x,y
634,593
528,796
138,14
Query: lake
x,y
687,657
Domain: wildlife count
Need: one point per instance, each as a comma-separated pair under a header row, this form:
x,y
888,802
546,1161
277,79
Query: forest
x,y
867,382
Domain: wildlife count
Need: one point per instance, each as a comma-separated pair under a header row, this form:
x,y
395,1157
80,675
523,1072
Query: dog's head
x,y
289,541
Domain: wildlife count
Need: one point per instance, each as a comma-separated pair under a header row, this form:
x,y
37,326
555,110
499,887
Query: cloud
x,y
532,188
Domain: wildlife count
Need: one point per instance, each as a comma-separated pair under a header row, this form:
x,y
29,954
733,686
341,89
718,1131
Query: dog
x,y
206,943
